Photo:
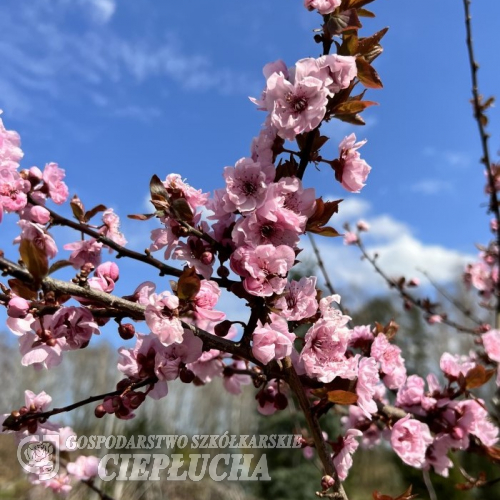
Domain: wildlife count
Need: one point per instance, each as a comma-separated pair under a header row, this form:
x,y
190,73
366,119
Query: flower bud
x,y
186,375
207,258
17,307
222,329
99,411
223,271
280,401
126,331
39,214
327,482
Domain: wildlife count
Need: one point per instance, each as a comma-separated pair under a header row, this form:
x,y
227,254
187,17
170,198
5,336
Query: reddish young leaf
x,y
342,397
353,107
140,216
477,376
365,13
22,289
77,208
89,214
35,259
367,74
367,44
189,284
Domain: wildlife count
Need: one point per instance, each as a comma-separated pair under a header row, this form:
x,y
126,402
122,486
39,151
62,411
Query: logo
x,y
39,454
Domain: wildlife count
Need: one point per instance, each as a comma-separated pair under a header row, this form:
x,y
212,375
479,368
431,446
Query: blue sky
x,y
117,90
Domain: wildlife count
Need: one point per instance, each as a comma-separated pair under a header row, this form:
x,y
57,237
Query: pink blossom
x,y
288,193
168,361
179,188
233,381
197,254
39,354
392,364
298,300
437,454
357,419
75,324
362,225
350,238
453,366
111,228
342,459
296,101
84,468
39,214
352,171
10,151
322,6
246,185
53,177
410,439
270,224
106,275
208,366
205,301
59,484
161,317
324,350
412,397
434,318
368,378
263,268
262,146
340,71
475,420
266,397
13,189
84,251
491,343
272,340
164,237
17,307
361,336
37,402
38,235
480,276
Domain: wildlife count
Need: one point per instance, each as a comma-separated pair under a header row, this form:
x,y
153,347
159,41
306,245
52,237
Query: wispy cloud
x,y
58,55
432,186
400,253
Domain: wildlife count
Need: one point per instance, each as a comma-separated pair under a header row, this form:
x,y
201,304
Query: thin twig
x,y
407,296
455,303
481,120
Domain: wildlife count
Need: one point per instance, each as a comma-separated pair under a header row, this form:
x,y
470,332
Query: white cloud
x,y
103,10
48,60
400,253
432,186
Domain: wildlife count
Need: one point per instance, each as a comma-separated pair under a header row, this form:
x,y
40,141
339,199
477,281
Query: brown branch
x,y
13,421
131,309
481,120
122,251
324,454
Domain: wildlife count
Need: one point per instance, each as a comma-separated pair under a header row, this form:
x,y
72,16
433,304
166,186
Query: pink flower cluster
x,y
296,98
